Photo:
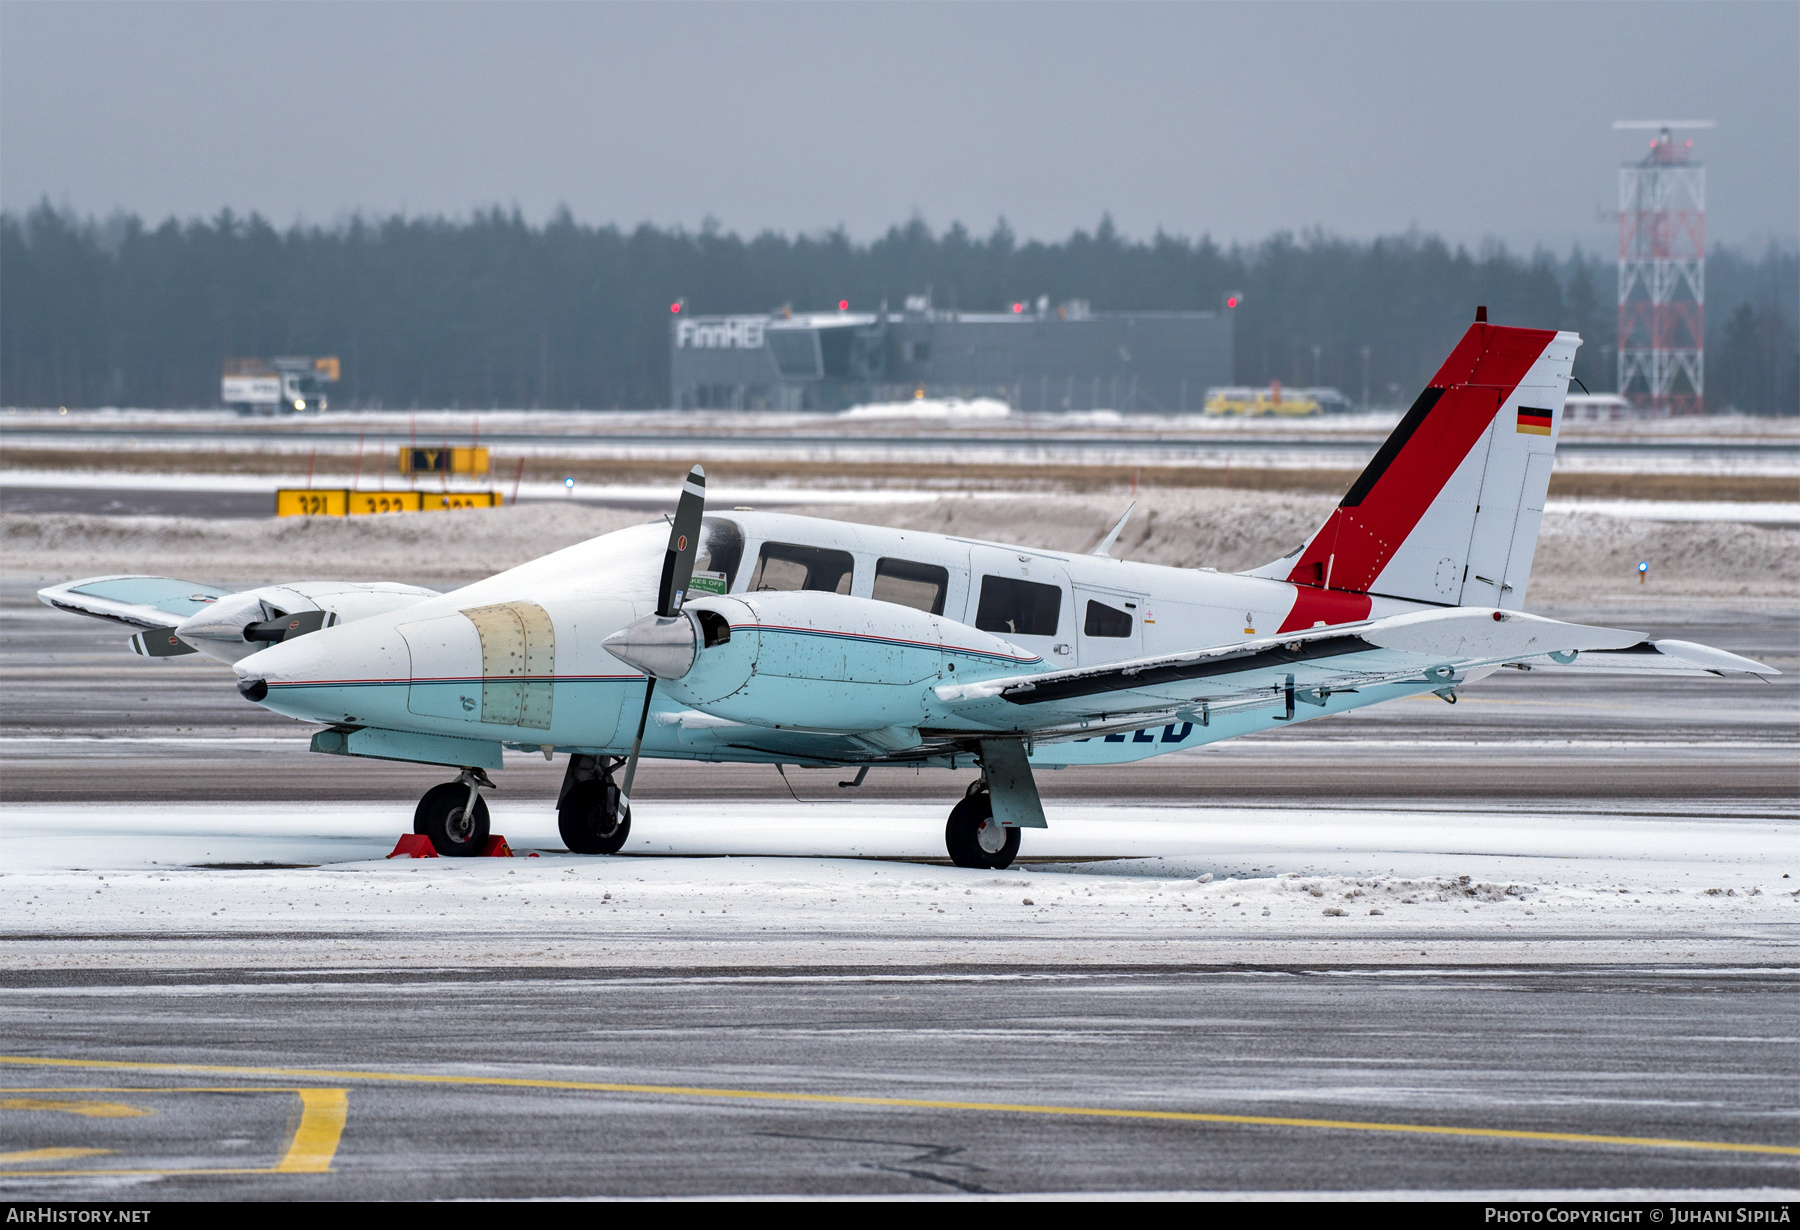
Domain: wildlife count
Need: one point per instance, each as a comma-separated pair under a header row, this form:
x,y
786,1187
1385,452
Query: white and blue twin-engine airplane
x,y
777,639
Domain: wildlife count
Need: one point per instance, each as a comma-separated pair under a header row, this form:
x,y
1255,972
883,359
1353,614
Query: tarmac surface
x,y
897,1062
432,1083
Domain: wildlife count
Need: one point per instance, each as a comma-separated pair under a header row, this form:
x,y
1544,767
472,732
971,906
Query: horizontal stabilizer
x,y
1468,633
1653,658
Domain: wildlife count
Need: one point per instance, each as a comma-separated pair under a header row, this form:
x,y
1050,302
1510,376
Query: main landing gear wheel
x,y
976,839
591,820
456,829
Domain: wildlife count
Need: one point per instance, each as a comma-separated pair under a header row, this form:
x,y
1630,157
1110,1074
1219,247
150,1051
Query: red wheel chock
x,y
414,845
417,845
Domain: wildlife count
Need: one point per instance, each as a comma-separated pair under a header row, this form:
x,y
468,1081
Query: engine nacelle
x,y
808,660
235,626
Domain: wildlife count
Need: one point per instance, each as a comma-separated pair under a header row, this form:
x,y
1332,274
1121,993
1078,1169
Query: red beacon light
x,y
1018,307
1231,302
843,305
675,308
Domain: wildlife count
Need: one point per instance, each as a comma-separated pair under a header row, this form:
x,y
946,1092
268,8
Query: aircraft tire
x,y
962,835
590,821
439,817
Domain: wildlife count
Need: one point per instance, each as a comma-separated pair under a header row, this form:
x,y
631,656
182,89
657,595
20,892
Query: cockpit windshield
x,y
721,551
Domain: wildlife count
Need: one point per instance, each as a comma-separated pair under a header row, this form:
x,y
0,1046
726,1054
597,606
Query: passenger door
x,y
1111,625
1025,599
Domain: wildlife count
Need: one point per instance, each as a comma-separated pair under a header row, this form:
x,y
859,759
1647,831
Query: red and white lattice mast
x,y
1662,273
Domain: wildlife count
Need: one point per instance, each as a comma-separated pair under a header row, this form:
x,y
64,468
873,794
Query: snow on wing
x,y
136,601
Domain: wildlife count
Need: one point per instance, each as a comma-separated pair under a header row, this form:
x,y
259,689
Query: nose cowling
x,y
352,669
662,646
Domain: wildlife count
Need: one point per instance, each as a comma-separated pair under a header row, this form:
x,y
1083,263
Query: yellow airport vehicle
x,y
337,502
444,460
1255,403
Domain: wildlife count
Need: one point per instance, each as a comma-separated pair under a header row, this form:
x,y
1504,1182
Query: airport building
x,y
1034,357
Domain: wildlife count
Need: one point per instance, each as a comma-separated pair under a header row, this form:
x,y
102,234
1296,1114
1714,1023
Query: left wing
x,y
135,601
1420,651
181,617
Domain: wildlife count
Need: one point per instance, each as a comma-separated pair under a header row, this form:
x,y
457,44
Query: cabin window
x,y
1018,608
1103,620
905,583
787,566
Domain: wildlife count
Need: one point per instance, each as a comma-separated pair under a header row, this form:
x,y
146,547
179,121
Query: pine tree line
x,y
495,312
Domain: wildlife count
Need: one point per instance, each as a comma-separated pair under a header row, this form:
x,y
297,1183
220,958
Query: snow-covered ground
x,y
1764,512
836,872
936,408
1705,428
618,493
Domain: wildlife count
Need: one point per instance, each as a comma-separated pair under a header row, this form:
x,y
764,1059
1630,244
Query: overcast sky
x,y
1471,120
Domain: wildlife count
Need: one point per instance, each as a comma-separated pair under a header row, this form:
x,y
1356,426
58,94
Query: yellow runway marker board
x,y
369,503
320,502
336,502
444,460
439,501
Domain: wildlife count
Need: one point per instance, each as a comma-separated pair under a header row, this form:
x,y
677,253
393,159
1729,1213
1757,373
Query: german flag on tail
x,y
1534,421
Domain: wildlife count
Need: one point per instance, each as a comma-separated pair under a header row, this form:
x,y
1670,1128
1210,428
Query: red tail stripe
x,y
1356,542
1313,605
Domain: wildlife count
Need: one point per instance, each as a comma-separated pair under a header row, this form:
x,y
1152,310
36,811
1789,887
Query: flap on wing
x,y
140,602
1653,658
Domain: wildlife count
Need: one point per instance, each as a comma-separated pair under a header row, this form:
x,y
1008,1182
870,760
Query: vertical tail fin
x,y
1448,510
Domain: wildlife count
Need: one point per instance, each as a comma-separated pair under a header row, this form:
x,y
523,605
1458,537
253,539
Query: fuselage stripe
x,y
885,640
471,679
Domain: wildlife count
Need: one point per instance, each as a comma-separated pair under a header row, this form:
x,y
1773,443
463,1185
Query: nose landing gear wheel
x,y
590,819
444,815
975,839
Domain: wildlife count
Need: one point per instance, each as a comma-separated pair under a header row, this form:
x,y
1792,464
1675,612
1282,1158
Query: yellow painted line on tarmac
x,y
315,1142
836,1099
323,1113
87,1107
46,1155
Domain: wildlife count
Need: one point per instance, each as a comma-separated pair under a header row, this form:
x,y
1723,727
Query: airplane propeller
x,y
677,572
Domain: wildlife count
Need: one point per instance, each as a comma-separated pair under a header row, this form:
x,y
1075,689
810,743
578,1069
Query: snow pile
x,y
1248,877
438,547
1579,555
942,409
